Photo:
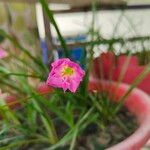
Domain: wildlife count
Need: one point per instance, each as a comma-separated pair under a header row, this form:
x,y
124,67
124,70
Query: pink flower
x,y
3,53
65,74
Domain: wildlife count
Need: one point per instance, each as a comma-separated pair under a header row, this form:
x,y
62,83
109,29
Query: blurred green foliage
x,y
55,120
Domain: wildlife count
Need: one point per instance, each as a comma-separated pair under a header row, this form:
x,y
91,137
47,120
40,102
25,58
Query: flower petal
x,y
66,81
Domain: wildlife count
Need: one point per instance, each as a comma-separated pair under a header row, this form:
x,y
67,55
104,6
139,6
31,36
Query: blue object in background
x,y
44,51
76,53
72,39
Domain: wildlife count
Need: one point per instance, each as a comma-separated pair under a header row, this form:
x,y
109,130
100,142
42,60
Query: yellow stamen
x,y
67,71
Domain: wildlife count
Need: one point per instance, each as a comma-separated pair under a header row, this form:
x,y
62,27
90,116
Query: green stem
x,y
48,125
122,73
17,44
86,115
74,139
25,142
7,113
52,20
24,62
119,122
4,82
96,104
133,85
24,75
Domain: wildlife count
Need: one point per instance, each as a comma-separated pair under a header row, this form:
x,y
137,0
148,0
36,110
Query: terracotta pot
x,y
107,67
138,103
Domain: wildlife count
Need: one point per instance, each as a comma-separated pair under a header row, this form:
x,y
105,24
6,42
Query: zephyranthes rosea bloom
x,y
65,74
3,53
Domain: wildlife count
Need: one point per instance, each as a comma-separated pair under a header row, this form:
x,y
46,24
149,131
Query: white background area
x,y
133,23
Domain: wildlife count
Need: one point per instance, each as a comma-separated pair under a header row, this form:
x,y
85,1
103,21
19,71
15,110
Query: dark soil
x,y
114,132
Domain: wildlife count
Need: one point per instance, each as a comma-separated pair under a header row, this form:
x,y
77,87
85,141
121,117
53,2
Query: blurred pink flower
x,y
3,53
65,74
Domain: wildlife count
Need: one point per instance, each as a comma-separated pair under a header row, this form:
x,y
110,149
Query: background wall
x,y
18,19
110,24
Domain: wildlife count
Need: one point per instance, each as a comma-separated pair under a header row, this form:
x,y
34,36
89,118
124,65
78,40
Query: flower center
x,y
67,71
